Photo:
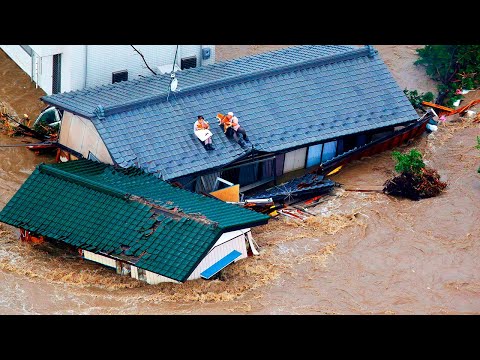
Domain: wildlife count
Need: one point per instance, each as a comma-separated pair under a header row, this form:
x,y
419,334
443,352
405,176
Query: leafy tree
x,y
411,163
416,99
456,67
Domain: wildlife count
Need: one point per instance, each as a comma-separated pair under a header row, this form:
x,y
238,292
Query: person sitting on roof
x,y
230,123
225,123
202,132
237,129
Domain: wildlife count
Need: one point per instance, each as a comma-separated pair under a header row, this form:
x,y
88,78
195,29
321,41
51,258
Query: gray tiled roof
x,y
284,99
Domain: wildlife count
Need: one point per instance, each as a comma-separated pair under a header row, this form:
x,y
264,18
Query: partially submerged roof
x,y
124,213
285,99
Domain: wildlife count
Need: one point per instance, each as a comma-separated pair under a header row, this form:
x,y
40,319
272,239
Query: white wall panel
x,y
221,249
80,135
295,160
99,259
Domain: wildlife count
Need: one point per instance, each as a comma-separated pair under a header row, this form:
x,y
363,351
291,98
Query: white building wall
x,y
73,68
45,73
80,135
134,272
93,65
234,240
103,60
154,279
49,50
295,160
196,50
99,259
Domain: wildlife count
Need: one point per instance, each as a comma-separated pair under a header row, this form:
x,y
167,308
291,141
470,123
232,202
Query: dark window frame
x,y
185,63
119,76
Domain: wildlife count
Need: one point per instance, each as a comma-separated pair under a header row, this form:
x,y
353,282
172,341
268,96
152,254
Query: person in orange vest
x,y
201,124
237,129
226,124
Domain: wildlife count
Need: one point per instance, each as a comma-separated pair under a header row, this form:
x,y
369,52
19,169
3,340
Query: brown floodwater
x,y
365,253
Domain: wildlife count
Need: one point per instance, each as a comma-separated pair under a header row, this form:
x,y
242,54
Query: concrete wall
x,y
80,135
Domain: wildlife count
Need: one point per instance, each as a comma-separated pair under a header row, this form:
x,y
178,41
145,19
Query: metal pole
x,y
172,74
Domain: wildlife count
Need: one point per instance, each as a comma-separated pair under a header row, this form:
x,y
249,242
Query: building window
x,y
57,74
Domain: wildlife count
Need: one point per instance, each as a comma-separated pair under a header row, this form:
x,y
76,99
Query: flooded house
x,y
131,221
300,106
60,68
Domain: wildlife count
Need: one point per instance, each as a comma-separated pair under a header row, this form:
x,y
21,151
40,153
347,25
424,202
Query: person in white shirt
x,y
237,129
201,124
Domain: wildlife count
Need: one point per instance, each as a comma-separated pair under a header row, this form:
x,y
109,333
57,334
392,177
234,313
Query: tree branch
x,y
143,58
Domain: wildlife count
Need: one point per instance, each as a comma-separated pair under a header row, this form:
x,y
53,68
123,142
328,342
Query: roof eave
x,y
59,105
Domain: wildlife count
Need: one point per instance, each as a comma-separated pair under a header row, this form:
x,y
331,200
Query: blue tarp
x,y
220,264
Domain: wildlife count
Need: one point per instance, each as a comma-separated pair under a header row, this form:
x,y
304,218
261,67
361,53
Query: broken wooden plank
x,y
364,188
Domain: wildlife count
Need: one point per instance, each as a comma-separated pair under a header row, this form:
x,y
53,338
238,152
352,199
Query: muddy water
x,y
364,253
17,89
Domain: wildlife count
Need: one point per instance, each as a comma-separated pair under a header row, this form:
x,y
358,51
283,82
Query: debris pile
x,y
413,186
308,185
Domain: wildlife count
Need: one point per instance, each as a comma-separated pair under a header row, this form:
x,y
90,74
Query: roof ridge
x,y
346,55
76,179
176,213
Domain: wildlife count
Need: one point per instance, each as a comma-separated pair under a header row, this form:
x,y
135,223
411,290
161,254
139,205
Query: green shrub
x,y
416,99
410,163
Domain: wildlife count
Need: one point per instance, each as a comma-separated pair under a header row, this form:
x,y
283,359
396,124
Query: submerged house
x,y
59,68
300,106
131,221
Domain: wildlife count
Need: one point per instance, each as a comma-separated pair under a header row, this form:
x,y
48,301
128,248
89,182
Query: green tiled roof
x,y
124,213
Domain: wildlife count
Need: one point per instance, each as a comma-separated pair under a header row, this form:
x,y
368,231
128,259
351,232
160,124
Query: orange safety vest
x,y
200,126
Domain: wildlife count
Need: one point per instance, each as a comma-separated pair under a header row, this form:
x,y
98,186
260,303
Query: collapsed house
x,y
131,221
301,107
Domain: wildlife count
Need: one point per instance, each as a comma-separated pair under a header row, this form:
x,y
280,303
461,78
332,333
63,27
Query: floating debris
x,y
296,189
